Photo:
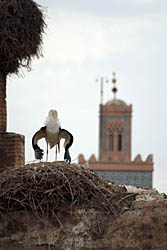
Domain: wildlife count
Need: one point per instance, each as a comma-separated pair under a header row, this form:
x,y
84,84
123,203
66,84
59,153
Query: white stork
x,y
53,133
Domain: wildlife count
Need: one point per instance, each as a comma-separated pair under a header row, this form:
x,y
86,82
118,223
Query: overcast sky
x,y
85,40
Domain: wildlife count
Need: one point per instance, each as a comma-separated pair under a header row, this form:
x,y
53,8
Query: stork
x,y
53,133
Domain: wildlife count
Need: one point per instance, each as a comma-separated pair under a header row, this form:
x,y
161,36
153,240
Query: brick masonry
x,y
12,150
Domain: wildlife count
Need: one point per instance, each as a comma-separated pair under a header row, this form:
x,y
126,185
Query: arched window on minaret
x,y
119,142
111,145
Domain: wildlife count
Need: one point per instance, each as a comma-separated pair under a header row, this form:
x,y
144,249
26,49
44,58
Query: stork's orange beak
x,y
53,113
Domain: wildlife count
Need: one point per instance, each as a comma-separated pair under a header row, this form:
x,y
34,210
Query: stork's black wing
x,y
64,134
37,136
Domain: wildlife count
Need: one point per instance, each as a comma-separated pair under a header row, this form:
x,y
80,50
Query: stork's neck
x,y
52,125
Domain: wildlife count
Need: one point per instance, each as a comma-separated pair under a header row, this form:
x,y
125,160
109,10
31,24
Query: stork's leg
x,y
47,152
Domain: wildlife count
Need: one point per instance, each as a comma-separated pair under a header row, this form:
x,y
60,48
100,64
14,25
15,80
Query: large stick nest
x,y
46,188
21,27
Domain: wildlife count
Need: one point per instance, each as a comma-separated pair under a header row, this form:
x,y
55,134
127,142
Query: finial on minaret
x,y
114,89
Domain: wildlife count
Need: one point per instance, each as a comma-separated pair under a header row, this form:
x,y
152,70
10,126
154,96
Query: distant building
x,y
115,162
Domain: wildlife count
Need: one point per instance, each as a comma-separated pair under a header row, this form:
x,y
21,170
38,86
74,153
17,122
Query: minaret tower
x,y
114,162
115,129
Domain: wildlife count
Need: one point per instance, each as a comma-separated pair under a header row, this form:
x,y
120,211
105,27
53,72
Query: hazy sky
x,y
85,40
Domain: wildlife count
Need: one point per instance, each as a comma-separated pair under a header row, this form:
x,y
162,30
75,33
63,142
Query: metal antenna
x,y
102,79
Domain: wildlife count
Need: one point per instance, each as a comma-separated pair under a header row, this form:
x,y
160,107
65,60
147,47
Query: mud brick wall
x,y
12,150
